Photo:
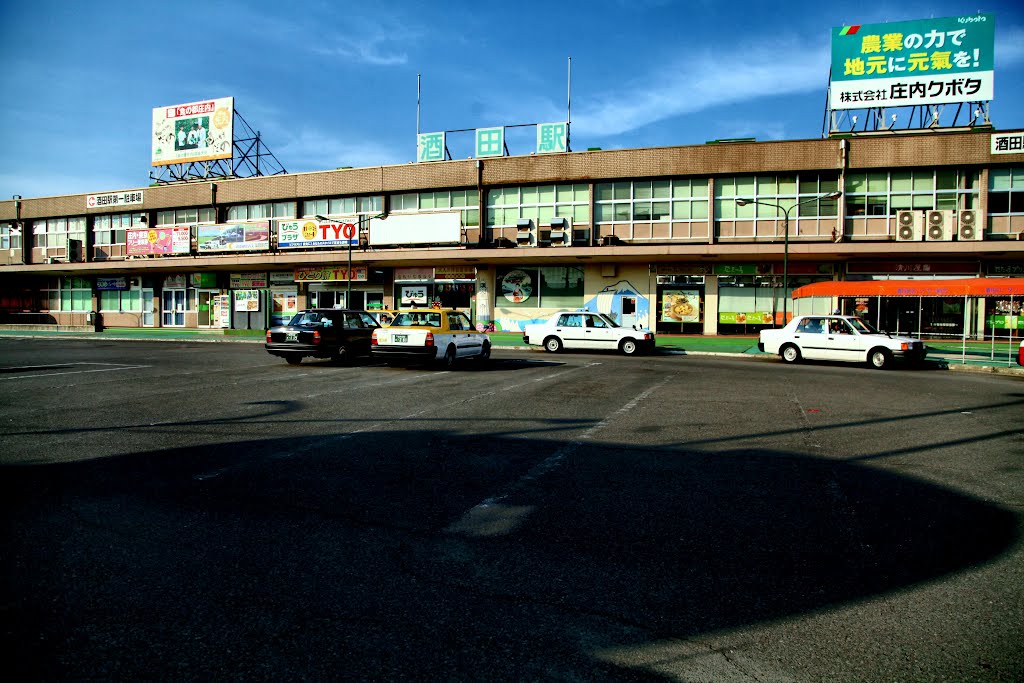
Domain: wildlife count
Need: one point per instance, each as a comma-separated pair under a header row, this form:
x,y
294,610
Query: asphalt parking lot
x,y
196,511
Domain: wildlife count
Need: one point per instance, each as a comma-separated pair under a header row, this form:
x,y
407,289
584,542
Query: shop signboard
x,y
1004,322
197,131
680,306
912,268
414,274
250,236
110,284
913,63
282,277
684,269
111,199
331,274
454,273
414,295
169,240
307,233
205,280
247,300
247,280
739,269
1006,268
175,282
443,227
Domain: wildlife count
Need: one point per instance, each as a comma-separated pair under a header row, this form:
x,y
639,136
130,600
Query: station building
x,y
654,237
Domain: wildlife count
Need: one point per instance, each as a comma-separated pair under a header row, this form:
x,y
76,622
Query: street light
x,y
785,253
357,231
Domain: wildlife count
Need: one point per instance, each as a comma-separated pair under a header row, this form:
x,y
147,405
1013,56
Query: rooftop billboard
x,y
913,63
197,131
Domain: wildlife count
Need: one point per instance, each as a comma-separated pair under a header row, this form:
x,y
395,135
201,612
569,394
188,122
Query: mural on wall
x,y
622,302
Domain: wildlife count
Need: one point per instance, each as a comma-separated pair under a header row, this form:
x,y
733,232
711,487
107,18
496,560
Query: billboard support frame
x,y
250,158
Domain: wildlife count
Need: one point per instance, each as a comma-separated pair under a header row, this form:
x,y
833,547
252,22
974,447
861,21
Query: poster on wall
x,y
517,286
747,318
251,236
171,240
680,306
284,306
414,295
247,300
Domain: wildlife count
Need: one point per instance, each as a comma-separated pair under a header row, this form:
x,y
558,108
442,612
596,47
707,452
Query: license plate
x,y
401,338
291,336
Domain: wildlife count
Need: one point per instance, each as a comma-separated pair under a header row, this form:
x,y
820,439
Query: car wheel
x,y
293,360
790,353
341,356
628,347
553,344
485,354
449,358
879,358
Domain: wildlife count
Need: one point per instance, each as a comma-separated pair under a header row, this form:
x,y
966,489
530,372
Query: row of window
x,y
680,199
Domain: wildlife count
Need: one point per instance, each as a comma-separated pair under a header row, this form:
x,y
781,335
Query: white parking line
x,y
29,368
492,517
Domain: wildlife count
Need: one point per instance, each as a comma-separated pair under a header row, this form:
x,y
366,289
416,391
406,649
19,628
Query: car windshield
x,y
424,319
608,321
862,326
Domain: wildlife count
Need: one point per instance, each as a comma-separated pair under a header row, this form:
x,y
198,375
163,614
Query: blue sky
x,y
332,84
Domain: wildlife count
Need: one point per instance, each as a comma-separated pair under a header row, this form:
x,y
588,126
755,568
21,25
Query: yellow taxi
x,y
425,335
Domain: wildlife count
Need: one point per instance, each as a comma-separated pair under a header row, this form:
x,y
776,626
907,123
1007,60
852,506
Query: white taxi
x,y
423,335
587,330
839,337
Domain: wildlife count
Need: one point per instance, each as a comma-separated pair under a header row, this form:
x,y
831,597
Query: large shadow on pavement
x,y
432,556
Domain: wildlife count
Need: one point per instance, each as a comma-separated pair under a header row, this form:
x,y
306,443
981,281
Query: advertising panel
x,y
414,295
251,236
426,228
306,233
247,280
247,300
913,63
171,240
680,306
197,131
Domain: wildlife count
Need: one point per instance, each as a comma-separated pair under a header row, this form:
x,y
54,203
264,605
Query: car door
x,y
810,337
358,331
842,342
570,329
466,343
599,334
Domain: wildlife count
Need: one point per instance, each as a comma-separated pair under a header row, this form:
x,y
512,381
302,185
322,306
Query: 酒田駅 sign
x,y
97,201
309,232
198,131
552,137
913,63
430,147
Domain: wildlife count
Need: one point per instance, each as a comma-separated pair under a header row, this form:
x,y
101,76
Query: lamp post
x,y
785,251
357,230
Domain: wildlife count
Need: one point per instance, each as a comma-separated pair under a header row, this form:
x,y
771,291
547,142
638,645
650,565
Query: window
x,y
784,190
55,232
465,201
539,203
342,206
255,212
186,216
1006,191
10,236
648,201
885,193
110,229
67,294
122,300
547,287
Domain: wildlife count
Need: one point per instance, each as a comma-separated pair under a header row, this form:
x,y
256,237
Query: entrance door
x,y
147,308
206,300
173,308
628,311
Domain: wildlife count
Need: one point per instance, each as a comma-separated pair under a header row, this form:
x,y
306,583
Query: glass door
x,y
147,308
173,308
206,300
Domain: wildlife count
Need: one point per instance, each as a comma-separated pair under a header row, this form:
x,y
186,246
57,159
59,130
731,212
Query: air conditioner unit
x,y
938,226
908,226
561,233
524,231
967,228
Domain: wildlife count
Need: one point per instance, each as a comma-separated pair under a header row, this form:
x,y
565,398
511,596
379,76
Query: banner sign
x,y
247,280
109,284
913,63
331,274
748,318
95,201
198,131
171,240
306,233
415,295
680,306
252,236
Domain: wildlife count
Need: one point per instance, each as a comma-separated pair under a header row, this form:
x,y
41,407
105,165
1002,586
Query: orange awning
x,y
977,286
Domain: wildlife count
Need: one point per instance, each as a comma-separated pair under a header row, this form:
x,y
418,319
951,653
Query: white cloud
x,y
316,151
703,83
1009,47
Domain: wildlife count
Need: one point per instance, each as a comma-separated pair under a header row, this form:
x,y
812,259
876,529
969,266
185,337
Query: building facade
x,y
654,237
